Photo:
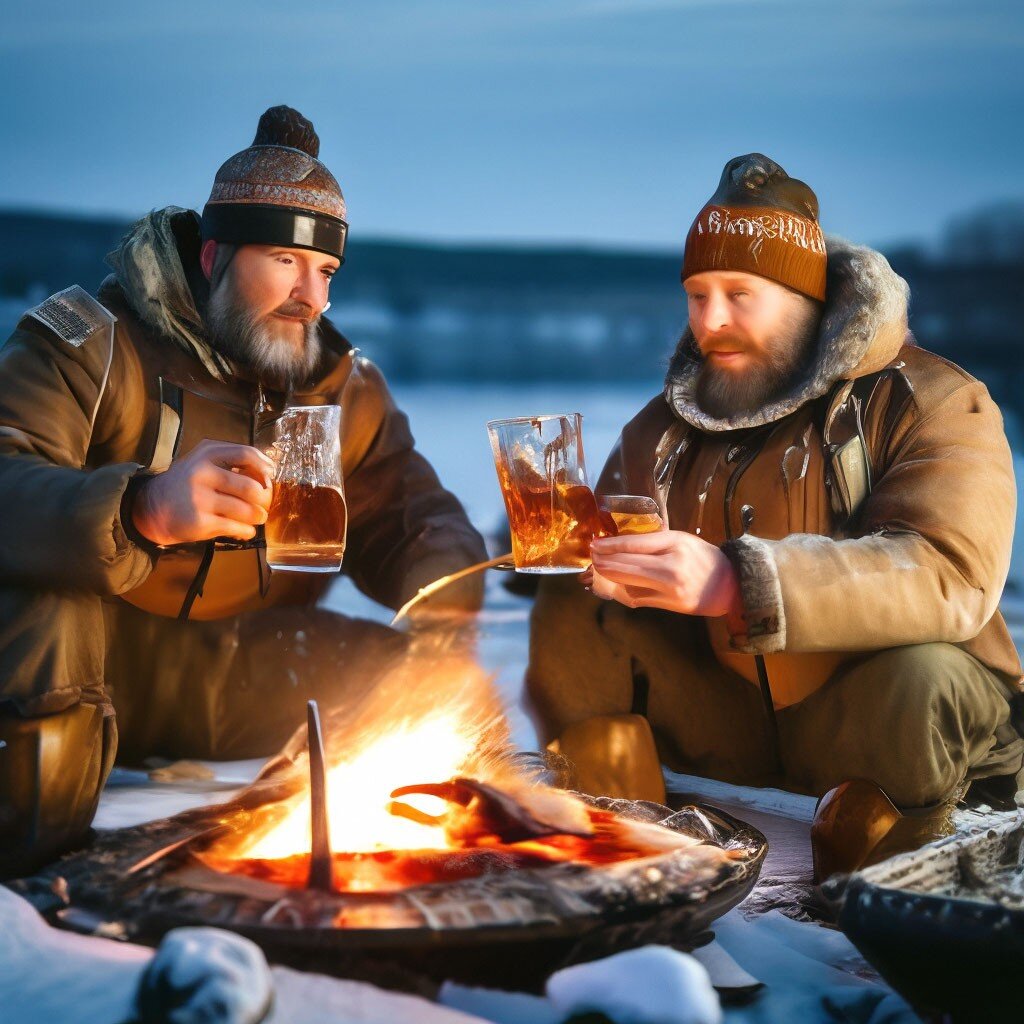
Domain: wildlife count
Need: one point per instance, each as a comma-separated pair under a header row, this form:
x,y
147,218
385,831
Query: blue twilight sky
x,y
602,121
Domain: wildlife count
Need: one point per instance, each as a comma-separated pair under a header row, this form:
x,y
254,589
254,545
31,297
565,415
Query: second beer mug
x,y
632,513
308,517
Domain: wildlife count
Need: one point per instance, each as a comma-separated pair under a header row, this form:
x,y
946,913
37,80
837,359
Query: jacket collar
x,y
863,327
157,268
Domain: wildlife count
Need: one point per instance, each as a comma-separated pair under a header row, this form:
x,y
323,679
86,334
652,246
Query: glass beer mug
x,y
552,512
308,518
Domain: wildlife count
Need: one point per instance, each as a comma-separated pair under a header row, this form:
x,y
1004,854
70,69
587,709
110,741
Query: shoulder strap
x,y
849,474
168,427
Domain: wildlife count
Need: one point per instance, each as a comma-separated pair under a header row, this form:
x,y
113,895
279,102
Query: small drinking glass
x,y
308,519
552,512
632,513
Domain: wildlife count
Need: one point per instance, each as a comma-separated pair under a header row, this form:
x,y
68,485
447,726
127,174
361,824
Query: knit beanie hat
x,y
760,221
277,192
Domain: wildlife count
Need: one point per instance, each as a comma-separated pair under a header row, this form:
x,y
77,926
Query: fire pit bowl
x,y
509,929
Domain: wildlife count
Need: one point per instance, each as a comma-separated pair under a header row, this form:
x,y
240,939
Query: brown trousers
x,y
235,688
918,720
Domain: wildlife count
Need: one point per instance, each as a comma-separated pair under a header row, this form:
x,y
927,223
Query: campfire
x,y
408,838
425,790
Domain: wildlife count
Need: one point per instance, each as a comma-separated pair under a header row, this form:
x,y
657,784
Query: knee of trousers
x,y
935,679
52,649
238,688
575,671
913,719
52,770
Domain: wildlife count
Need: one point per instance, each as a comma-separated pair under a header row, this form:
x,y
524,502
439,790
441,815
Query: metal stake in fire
x,y
320,862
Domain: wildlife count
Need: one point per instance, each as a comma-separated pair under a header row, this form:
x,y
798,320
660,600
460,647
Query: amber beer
x,y
306,527
626,523
307,521
552,527
632,513
552,513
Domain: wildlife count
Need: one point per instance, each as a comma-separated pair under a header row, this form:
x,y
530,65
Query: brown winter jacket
x,y
923,557
80,418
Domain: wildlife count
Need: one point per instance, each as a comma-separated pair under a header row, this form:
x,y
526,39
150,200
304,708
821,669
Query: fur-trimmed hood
x,y
157,267
864,324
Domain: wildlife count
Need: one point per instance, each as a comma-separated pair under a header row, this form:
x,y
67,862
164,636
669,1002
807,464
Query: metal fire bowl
x,y
507,930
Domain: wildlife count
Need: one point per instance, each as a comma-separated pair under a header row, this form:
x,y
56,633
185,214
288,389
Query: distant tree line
x,y
505,313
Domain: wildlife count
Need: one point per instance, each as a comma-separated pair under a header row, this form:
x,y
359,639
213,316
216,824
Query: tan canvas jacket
x,y
925,555
92,394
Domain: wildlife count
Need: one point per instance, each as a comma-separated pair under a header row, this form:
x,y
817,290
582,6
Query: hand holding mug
x,y
219,489
669,569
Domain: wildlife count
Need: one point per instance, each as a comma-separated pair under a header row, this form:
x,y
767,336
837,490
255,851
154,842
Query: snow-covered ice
x,y
651,985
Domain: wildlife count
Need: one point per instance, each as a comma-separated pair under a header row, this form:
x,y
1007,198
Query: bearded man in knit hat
x,y
132,578
839,502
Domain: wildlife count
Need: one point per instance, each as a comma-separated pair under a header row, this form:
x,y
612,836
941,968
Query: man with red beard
x,y
132,570
823,605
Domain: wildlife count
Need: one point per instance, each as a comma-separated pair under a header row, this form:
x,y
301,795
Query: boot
x,y
612,755
52,770
856,824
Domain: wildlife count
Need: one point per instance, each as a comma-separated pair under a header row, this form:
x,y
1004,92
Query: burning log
x,y
500,916
488,812
482,815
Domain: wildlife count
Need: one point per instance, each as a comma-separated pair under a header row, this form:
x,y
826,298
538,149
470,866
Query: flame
x,y
433,749
433,717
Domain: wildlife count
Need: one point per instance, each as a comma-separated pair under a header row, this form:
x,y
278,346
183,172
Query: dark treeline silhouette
x,y
509,313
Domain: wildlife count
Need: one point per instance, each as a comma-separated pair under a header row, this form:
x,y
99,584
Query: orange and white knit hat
x,y
761,221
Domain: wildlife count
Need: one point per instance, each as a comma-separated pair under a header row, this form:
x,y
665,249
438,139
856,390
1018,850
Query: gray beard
x,y
721,393
236,332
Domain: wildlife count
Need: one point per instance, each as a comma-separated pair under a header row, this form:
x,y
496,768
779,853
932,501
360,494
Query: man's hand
x,y
219,489
670,569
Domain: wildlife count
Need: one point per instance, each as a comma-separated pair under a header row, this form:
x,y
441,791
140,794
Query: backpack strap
x,y
673,443
850,470
168,427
